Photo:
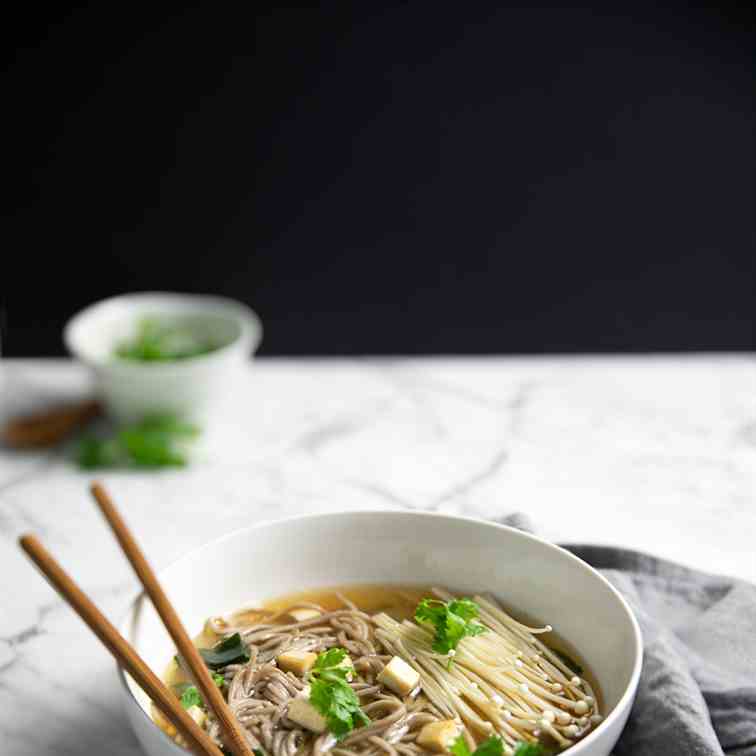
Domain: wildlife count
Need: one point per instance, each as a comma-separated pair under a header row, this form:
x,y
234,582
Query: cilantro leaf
x,y
331,663
332,696
459,747
452,621
339,704
490,747
464,608
157,441
231,650
493,746
191,697
95,452
431,611
189,694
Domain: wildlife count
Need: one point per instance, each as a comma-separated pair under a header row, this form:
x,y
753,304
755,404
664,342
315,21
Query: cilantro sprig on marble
x,y
159,440
331,694
452,621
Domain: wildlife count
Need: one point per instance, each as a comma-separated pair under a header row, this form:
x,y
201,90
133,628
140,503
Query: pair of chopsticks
x,y
198,740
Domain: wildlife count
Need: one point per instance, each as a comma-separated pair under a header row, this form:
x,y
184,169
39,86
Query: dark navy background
x,y
426,178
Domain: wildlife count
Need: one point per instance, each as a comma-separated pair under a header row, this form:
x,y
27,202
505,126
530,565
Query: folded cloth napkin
x,y
697,693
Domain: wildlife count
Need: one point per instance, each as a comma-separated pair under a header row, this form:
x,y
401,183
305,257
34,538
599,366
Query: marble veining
x,y
651,453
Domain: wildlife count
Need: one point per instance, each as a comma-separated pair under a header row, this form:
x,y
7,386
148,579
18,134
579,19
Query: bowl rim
x,y
620,709
248,322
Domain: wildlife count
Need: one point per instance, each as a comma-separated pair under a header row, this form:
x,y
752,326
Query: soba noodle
x,y
504,682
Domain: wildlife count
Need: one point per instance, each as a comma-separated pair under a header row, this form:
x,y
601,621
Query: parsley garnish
x,y
453,620
231,650
332,696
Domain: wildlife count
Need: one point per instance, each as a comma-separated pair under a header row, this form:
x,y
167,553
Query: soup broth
x,y
503,679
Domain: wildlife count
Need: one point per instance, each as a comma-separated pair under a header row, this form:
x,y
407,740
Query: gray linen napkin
x,y
697,694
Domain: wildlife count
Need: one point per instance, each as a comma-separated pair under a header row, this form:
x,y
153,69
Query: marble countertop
x,y
652,453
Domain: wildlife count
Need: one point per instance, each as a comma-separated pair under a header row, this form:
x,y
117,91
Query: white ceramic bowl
x,y
193,386
273,558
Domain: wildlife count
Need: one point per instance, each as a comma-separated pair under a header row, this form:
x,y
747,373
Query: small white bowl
x,y
191,387
541,580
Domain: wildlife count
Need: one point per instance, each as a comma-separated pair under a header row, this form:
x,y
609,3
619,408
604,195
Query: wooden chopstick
x,y
234,737
198,740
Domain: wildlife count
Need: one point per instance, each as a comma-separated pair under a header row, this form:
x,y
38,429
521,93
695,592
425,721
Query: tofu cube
x,y
298,662
399,676
300,615
303,713
197,714
438,736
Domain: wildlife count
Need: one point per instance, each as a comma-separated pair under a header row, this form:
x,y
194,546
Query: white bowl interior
x,y
541,580
93,334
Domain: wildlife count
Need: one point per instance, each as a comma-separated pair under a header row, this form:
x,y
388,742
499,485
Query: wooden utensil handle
x,y
234,736
48,427
124,653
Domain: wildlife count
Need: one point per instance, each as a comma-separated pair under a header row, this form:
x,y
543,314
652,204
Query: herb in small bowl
x,y
161,340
